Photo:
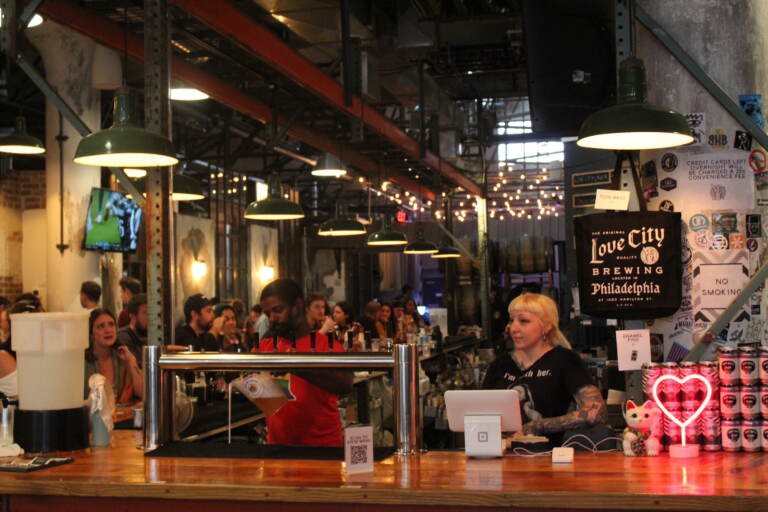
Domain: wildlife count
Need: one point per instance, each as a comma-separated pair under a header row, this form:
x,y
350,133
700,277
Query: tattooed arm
x,y
591,411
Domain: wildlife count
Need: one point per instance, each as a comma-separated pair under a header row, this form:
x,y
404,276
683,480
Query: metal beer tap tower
x,y
159,372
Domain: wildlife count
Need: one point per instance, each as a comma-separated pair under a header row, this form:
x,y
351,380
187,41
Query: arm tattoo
x,y
591,411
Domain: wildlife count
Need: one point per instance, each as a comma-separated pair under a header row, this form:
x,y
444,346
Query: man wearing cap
x,y
198,315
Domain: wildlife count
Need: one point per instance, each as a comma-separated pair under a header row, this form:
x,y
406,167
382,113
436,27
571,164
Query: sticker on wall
x,y
754,226
669,162
757,161
719,243
725,223
649,180
702,239
752,244
698,221
668,184
666,206
752,104
697,121
717,139
742,141
736,241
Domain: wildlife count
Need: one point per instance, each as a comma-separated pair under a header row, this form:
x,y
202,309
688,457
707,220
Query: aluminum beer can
x,y
731,434
692,390
709,430
728,361
764,435
750,402
749,366
750,435
671,390
709,370
764,402
764,366
692,429
730,401
672,433
650,374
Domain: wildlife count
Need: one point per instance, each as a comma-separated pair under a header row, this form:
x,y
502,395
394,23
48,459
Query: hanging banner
x,y
629,264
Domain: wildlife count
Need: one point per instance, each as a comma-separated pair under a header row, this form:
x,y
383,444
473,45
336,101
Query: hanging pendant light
x,y
342,224
420,245
329,165
20,142
274,207
184,188
135,173
633,124
125,144
387,236
447,250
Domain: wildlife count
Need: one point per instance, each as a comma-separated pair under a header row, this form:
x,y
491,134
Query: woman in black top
x,y
545,371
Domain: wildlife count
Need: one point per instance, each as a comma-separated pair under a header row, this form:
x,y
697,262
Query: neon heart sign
x,y
682,450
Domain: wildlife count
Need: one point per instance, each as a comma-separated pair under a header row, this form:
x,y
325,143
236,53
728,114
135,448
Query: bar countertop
x,y
608,481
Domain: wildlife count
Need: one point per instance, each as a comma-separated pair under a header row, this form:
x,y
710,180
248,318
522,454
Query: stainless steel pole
x,y
273,361
406,377
152,373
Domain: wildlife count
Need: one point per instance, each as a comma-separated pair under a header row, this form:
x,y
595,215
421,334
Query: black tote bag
x,y
629,264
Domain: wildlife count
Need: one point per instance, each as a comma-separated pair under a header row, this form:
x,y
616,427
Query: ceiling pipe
x,y
113,36
225,19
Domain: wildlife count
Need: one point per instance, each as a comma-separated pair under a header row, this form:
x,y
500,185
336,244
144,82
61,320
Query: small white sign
x,y
358,449
608,199
633,348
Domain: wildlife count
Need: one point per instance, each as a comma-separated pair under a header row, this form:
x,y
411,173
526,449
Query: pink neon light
x,y
682,424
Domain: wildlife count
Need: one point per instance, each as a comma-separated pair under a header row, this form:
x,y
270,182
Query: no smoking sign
x,y
757,161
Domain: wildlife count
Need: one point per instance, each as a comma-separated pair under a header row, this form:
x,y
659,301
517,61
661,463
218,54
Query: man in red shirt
x,y
312,419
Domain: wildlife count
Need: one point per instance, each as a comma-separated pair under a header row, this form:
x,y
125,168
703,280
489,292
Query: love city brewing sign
x,y
629,264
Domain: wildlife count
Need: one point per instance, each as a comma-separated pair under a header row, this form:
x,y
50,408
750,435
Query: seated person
x,y
225,329
312,419
346,330
8,376
129,288
198,317
545,371
134,335
316,312
385,327
114,361
368,318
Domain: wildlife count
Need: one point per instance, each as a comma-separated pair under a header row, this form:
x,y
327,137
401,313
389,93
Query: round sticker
x,y
757,161
666,206
702,239
669,162
719,242
752,244
649,255
698,222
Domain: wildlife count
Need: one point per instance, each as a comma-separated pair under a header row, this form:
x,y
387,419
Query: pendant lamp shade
x,y
329,165
274,207
125,144
342,224
633,124
184,188
447,250
135,173
20,142
387,236
420,245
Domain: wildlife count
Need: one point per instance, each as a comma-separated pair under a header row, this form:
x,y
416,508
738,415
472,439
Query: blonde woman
x,y
549,376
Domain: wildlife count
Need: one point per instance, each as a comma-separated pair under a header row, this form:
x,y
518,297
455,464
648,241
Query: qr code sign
x,y
358,454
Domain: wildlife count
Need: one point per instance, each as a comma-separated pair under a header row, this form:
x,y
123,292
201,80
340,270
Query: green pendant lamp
x,y
20,142
329,165
125,144
420,245
184,188
342,224
274,207
447,250
387,236
633,124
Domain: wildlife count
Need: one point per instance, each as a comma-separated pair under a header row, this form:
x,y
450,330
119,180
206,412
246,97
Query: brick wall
x,y
19,190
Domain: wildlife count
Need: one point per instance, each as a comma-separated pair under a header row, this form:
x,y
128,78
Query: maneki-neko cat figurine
x,y
639,440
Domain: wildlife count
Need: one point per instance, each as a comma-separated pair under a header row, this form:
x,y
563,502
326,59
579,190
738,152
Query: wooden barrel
x,y
540,253
513,257
464,264
527,261
468,304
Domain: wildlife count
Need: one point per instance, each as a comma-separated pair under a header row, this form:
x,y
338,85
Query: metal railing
x,y
159,387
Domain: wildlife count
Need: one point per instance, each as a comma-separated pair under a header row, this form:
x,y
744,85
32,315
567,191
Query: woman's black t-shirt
x,y
546,388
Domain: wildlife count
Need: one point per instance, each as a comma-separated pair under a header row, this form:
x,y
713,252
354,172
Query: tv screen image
x,y
112,223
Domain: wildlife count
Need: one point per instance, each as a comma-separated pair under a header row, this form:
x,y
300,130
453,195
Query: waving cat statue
x,y
638,436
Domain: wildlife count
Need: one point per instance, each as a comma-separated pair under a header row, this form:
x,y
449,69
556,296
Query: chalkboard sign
x,y
591,179
584,200
629,264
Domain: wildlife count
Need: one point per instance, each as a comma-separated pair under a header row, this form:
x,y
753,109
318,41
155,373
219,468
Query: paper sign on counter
x,y
358,449
608,199
633,348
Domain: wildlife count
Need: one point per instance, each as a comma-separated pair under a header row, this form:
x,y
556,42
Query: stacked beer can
x,y
744,398
683,400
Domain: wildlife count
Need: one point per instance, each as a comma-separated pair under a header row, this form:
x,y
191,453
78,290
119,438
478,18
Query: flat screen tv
x,y
112,223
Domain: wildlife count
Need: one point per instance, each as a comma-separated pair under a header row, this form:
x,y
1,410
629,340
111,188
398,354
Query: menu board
x,y
629,264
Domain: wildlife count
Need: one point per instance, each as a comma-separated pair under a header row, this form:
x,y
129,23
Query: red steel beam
x,y
229,22
112,35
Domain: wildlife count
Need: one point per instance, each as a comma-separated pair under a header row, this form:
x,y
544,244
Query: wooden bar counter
x,y
121,478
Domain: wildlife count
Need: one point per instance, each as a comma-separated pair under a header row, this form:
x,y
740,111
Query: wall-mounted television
x,y
112,223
